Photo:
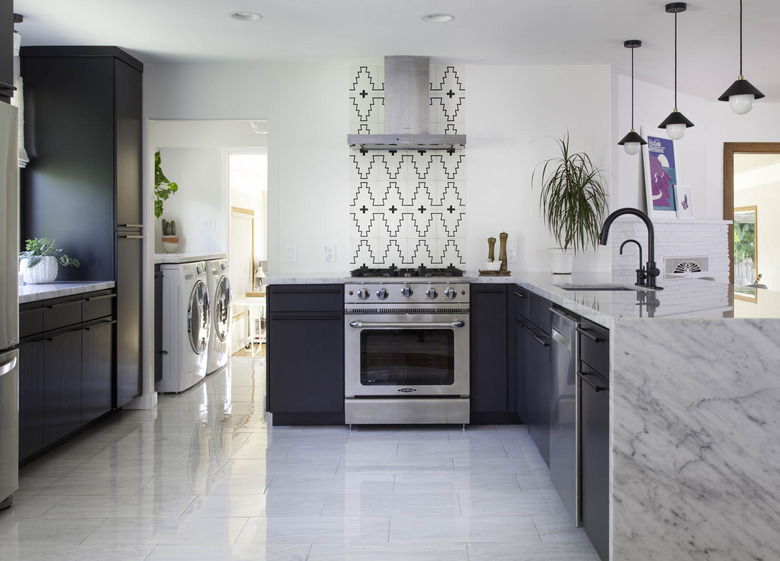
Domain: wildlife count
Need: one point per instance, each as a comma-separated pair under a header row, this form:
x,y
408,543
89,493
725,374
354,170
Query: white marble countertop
x,y
186,257
680,298
36,292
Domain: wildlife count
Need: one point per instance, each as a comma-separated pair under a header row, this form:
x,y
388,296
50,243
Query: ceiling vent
x,y
407,98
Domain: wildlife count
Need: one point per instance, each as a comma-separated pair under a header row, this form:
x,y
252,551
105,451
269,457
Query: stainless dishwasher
x,y
563,418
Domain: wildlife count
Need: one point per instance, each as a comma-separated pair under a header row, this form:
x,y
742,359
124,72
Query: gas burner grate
x,y
411,272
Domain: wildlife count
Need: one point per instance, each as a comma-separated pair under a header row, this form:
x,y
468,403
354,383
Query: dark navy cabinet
x,y
305,354
6,50
594,381
493,391
66,368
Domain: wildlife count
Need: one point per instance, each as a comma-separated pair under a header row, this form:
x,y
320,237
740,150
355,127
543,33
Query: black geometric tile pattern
x,y
407,207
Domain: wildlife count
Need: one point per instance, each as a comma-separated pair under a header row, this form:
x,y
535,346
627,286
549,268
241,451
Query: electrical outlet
x,y
330,254
291,254
511,254
209,225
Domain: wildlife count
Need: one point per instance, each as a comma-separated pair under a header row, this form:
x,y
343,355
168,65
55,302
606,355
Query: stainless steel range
x,y
406,346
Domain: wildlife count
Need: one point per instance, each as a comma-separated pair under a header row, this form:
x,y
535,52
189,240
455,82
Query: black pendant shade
x,y
741,87
633,136
675,118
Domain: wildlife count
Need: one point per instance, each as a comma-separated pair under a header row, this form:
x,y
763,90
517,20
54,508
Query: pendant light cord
x,y
632,88
675,61
740,38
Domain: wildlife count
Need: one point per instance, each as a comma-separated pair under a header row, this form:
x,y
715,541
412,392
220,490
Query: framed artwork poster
x,y
662,173
682,197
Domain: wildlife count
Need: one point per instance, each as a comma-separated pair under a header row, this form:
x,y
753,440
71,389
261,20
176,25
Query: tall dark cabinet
x,y
6,50
83,183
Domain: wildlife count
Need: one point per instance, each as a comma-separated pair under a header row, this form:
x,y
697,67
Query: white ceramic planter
x,y
170,243
44,272
561,261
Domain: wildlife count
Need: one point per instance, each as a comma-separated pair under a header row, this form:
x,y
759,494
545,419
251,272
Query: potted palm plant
x,y
162,190
41,260
573,203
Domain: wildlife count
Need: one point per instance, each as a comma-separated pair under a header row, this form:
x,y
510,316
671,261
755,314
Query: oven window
x,y
407,357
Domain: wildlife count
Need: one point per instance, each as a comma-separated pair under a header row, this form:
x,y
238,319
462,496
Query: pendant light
x,y
742,93
676,123
632,141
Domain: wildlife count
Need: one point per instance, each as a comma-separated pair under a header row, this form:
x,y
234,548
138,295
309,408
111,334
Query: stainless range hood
x,y
407,89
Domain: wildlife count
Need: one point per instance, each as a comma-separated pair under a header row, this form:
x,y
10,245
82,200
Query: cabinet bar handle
x,y
61,304
130,225
535,336
589,335
591,384
71,332
103,322
130,237
94,298
519,295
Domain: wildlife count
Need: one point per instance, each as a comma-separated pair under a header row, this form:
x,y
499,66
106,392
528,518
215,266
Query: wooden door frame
x,y
729,150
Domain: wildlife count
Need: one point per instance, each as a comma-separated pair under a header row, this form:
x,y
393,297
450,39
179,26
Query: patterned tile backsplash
x,y
407,206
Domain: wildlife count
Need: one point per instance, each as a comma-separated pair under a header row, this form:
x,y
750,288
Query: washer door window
x,y
222,300
199,318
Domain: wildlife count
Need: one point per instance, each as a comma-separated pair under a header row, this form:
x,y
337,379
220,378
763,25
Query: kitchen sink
x,y
596,286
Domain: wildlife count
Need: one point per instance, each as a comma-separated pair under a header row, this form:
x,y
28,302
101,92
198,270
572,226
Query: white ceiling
x,y
484,31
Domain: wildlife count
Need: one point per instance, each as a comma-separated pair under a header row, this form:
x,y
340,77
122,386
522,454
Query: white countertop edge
x,y
186,257
37,292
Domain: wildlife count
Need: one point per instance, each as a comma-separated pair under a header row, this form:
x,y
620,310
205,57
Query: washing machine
x,y
221,297
186,326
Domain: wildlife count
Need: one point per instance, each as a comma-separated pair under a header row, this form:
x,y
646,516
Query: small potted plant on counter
x,y
573,203
41,260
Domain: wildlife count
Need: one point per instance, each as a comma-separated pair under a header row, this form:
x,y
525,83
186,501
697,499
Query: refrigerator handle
x,y
130,225
130,236
8,366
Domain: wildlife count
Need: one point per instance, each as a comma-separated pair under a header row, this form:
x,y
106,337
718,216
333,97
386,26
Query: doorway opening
x,y
751,187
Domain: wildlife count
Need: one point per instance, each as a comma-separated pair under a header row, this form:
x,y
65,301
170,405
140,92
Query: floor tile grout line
x,y
148,555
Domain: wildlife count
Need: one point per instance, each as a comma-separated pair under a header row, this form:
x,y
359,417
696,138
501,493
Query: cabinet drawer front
x,y
61,313
522,302
97,305
30,322
305,298
594,347
540,313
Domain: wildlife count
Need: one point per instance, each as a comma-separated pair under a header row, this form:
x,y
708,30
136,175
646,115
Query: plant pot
x,y
44,272
170,243
561,261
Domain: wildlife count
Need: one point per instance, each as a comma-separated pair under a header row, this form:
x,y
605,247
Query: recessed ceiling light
x,y
246,16
438,18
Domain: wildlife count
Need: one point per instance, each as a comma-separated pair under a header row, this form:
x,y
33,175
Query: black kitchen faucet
x,y
651,271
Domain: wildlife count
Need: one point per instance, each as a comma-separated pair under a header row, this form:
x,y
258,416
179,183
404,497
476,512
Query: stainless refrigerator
x,y
9,304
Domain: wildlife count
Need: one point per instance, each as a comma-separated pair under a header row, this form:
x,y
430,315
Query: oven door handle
x,y
395,324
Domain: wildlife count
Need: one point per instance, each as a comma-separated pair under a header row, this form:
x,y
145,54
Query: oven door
x,y
407,355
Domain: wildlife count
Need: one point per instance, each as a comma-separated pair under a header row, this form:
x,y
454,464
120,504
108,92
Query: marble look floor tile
x,y
253,552
391,505
139,505
515,529
559,528
389,552
63,552
208,484
312,465
315,530
456,483
332,484
34,506
531,552
189,531
395,466
491,465
241,505
398,434
519,504
351,449
464,449
33,531
106,485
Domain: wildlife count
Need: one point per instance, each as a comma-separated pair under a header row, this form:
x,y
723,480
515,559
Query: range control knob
x,y
363,293
431,293
382,294
450,294
407,291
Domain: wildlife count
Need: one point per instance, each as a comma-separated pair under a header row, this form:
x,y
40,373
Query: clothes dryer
x,y
186,326
221,308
